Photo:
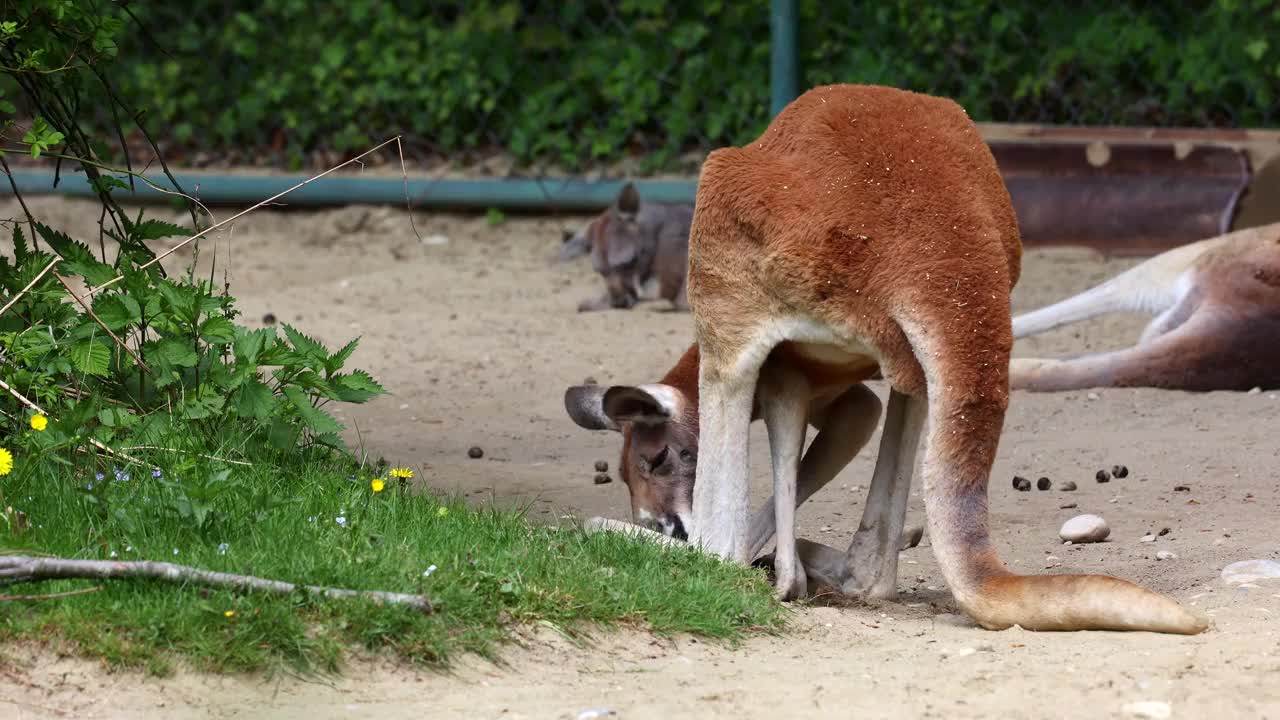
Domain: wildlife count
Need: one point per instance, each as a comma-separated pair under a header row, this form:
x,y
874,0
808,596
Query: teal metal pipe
x,y
240,189
784,64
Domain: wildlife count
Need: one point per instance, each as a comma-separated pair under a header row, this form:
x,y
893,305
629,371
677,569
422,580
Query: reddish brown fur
x,y
880,216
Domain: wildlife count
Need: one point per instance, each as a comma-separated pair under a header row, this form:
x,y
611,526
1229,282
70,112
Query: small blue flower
x,y
99,476
156,473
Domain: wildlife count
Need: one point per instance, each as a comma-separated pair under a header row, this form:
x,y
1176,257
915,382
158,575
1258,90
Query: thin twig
x,y
26,568
30,285
179,450
14,185
242,213
93,442
51,596
404,173
94,315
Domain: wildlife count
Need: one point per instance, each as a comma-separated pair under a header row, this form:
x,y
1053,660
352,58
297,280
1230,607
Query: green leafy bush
x,y
144,353
158,352
573,83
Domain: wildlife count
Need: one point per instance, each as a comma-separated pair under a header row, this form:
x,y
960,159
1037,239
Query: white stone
x,y
1248,571
1084,529
1166,555
1147,538
1153,709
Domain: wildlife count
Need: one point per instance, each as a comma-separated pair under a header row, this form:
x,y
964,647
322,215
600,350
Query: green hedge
x,y
581,81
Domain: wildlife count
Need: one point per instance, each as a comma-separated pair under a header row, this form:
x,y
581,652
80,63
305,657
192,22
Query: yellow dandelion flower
x,y
402,473
6,462
377,485
442,512
39,422
229,613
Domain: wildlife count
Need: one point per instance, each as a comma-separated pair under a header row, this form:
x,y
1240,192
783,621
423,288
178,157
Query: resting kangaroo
x,y
1217,321
870,226
633,245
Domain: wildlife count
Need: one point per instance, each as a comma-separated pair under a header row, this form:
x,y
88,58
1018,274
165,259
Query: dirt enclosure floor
x,y
474,332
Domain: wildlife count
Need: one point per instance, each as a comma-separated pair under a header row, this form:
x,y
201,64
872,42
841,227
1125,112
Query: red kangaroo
x,y
867,228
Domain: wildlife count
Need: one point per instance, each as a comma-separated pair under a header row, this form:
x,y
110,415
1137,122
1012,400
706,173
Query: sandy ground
x,y
477,337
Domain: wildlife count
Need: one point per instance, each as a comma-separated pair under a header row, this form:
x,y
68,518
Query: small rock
x,y
1044,483
1248,571
1148,538
1068,506
269,319
602,466
590,381
1182,488
1021,484
1092,396
1068,486
825,528
1255,390
602,479
1119,471
1164,531
1103,476
475,452
1166,555
1052,560
435,240
1151,709
1084,529
596,713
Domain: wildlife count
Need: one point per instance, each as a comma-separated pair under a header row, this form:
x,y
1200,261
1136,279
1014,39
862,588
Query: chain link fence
x,y
598,89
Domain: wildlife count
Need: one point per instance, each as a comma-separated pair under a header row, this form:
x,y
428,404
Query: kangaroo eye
x,y
660,458
686,455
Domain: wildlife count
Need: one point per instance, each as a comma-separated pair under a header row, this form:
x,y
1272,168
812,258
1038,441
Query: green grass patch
x,y
486,570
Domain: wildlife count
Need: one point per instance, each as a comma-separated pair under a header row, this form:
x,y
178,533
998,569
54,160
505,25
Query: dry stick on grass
x,y
19,568
242,213
98,320
95,443
30,285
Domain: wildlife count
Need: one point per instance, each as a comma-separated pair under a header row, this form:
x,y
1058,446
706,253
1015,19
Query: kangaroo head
x,y
659,427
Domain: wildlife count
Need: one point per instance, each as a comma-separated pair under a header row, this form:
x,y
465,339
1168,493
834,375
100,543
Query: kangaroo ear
x,y
649,404
585,404
628,202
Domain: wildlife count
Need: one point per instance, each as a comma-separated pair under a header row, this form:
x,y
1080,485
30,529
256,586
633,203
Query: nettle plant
x,y
158,353
144,358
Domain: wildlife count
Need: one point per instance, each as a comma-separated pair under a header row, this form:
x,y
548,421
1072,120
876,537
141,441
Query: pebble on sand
x,y
602,479
1021,484
1151,709
602,466
1166,555
1085,529
1044,483
1068,486
1103,476
475,453
1248,571
1148,538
